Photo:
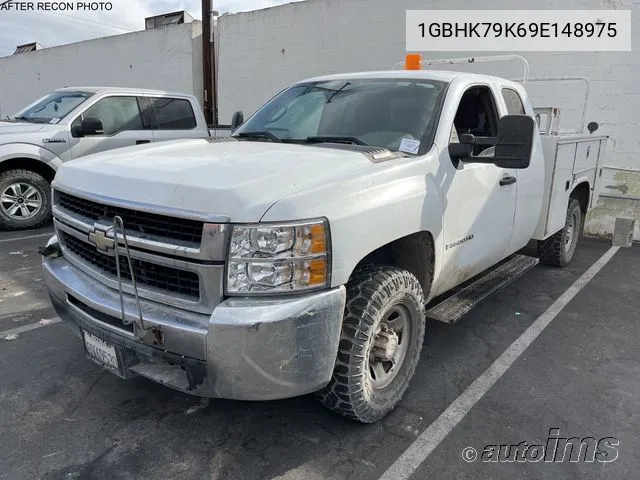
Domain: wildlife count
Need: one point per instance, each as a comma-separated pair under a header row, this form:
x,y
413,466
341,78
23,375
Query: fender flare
x,y
10,151
577,183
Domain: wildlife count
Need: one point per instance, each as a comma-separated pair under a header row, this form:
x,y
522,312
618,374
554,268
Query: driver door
x,y
480,199
123,126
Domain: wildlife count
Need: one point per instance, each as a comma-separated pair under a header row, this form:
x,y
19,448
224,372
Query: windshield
x,y
52,108
376,112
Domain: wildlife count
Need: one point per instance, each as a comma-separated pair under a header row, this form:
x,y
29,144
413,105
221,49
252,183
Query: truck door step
x,y
454,307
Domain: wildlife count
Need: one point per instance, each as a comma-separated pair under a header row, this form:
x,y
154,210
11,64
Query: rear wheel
x,y
558,250
24,200
381,341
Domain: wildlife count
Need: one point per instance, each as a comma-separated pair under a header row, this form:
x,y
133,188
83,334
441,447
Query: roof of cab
x,y
134,91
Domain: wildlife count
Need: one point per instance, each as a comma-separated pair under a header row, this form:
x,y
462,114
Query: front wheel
x,y
558,249
24,200
380,344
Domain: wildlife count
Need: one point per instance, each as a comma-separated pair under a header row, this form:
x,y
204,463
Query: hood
x,y
238,179
14,128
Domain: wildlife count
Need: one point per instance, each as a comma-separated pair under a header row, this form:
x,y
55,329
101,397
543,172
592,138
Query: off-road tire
x,y
9,177
371,292
552,251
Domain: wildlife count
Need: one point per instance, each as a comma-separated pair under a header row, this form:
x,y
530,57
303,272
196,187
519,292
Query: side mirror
x,y
592,127
462,149
514,142
237,120
89,126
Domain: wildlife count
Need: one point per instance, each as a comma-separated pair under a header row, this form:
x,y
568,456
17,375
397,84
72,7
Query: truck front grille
x,y
158,276
149,223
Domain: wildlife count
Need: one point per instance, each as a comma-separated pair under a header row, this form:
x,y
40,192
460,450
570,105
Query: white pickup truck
x,y
307,251
75,121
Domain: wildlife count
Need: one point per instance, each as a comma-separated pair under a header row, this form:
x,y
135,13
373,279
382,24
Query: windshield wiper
x,y
336,139
25,119
264,134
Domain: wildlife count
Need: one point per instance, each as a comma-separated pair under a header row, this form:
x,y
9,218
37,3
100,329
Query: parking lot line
x,y
31,326
6,240
427,442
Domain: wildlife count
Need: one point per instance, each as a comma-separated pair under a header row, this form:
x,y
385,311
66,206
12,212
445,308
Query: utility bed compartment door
x,y
589,159
569,160
560,187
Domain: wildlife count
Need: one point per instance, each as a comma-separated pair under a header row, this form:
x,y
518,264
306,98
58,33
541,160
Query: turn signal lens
x,y
317,271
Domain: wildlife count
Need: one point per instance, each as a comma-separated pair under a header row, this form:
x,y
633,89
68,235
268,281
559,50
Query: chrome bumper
x,y
247,349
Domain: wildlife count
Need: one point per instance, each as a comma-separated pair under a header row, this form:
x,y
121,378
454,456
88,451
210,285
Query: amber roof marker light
x,y
413,61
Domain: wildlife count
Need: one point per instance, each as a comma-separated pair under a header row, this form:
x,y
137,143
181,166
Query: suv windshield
x,y
52,108
376,112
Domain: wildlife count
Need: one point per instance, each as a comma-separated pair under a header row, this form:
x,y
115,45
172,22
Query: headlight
x,y
274,258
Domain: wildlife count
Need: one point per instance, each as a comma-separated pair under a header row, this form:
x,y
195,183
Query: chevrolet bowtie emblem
x,y
101,241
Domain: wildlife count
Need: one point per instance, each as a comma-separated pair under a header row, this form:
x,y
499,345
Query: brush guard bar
x,y
118,225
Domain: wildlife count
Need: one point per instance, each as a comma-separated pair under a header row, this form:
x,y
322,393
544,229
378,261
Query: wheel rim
x,y
21,201
389,346
571,229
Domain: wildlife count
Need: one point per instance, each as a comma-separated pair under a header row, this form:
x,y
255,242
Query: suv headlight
x,y
276,258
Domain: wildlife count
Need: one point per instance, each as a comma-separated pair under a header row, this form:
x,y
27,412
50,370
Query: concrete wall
x,y
263,51
168,58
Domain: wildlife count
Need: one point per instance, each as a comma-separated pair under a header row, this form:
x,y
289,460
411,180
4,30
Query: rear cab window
x,y
513,102
173,113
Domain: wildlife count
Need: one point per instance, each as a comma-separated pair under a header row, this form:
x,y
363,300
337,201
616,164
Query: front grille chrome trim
x,y
210,276
144,207
210,247
188,250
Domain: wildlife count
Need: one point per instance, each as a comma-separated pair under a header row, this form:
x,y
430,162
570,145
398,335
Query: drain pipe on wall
x,y
214,46
206,61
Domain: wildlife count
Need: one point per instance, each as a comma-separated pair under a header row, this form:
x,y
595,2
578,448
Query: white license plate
x,y
101,352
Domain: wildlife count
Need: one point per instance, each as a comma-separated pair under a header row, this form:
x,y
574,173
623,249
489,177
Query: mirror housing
x,y
460,150
237,120
512,147
89,126
514,142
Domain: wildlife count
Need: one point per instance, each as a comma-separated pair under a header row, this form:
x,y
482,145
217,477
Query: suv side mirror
x,y
89,126
237,120
514,142
92,126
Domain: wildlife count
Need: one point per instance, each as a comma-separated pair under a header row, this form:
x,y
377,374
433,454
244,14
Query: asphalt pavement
x,y
62,417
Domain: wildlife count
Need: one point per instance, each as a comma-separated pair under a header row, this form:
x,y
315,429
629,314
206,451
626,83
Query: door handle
x,y
508,180
140,142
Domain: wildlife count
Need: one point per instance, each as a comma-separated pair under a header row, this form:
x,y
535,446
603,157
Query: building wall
x,y
167,58
263,51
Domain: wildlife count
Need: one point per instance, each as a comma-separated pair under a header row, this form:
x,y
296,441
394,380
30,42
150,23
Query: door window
x,y
477,114
117,114
173,114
